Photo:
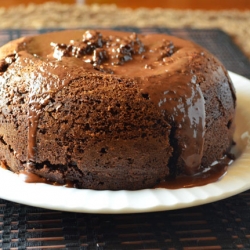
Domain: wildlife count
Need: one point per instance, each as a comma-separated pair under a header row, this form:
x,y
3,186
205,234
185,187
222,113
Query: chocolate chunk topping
x,y
99,56
167,49
97,50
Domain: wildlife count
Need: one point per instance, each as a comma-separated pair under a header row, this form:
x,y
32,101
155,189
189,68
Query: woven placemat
x,y
220,225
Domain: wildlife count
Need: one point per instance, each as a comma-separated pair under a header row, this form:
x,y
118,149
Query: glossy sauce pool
x,y
209,175
29,177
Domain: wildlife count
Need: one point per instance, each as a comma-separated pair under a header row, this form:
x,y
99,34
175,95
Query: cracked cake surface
x,y
112,110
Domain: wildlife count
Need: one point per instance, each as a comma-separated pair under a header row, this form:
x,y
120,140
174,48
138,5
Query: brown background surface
x,y
176,4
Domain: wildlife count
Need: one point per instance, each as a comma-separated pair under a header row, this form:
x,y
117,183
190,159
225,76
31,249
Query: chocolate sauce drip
x,y
47,79
33,119
183,105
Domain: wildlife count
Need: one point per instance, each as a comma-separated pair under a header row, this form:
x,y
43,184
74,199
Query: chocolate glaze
x,y
183,104
168,72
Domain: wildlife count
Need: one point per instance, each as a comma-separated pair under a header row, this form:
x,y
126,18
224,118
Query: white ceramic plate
x,y
235,181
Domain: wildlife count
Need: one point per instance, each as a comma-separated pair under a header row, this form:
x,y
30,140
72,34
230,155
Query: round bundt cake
x,y
112,110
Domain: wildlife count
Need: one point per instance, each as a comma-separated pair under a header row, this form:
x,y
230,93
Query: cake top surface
x,y
109,51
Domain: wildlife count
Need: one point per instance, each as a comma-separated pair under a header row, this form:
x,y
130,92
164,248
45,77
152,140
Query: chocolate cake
x,y
112,110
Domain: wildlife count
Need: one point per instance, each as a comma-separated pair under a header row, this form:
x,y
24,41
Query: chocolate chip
x,y
166,50
99,56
